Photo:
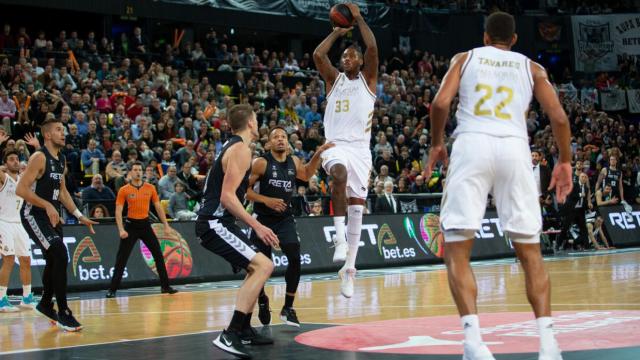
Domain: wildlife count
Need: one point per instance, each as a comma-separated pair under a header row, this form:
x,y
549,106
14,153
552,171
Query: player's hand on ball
x,y
562,181
436,153
89,223
124,234
276,204
342,31
355,10
267,236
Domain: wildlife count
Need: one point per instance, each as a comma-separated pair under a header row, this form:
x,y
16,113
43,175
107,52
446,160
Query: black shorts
x,y
226,239
40,230
284,228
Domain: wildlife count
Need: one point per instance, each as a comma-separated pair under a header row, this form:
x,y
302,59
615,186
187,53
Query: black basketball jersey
x,y
211,205
612,178
278,181
48,186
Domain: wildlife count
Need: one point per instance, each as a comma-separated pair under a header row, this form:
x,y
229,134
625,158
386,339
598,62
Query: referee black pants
x,y
138,229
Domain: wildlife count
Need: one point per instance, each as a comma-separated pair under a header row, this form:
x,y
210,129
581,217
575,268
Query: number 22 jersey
x,y
496,87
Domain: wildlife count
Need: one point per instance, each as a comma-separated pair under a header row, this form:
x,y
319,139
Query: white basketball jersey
x,y
495,92
349,111
10,203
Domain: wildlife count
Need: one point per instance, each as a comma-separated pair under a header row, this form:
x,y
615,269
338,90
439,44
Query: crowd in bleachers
x,y
121,102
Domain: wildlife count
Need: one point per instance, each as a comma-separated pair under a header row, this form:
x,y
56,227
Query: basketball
x,y
341,16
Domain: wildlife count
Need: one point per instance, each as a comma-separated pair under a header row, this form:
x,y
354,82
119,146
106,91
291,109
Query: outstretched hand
x,y
561,180
32,140
85,220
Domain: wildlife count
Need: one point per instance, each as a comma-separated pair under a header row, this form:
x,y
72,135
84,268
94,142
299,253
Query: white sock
x,y
338,222
26,290
354,230
545,328
3,291
471,327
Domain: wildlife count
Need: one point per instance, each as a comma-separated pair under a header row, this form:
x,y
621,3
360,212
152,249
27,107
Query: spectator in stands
x,y
99,211
383,175
92,158
316,208
190,182
166,184
541,171
387,203
419,187
116,171
97,193
178,208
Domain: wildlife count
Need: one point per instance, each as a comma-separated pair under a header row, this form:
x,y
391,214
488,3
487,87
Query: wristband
x,y
77,213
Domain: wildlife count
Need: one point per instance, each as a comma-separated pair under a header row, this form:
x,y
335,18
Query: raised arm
x,y
371,61
257,171
305,172
321,58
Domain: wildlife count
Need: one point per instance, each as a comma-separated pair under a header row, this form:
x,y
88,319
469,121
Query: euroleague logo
x,y
176,252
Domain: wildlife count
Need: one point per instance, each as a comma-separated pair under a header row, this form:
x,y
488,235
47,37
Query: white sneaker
x,y
347,276
477,352
340,252
550,354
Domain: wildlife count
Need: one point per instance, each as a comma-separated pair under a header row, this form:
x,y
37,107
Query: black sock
x,y
237,321
288,300
247,321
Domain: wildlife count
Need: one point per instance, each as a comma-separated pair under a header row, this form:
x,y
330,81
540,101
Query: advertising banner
x,y
390,240
599,40
623,227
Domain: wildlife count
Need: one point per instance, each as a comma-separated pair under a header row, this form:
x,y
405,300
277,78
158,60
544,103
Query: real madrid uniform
x,y
13,238
347,123
490,153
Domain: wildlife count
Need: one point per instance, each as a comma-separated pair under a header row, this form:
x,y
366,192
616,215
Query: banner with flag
x,y
633,97
613,100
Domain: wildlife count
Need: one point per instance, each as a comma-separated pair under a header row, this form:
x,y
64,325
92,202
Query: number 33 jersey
x,y
349,111
495,91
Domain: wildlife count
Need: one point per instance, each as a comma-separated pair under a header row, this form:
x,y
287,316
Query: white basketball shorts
x,y
14,239
480,165
358,162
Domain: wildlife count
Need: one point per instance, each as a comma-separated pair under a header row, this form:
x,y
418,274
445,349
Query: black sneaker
x,y
229,341
168,290
110,294
67,322
264,311
48,311
289,317
250,336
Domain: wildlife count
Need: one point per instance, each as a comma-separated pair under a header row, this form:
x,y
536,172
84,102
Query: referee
x,y
138,194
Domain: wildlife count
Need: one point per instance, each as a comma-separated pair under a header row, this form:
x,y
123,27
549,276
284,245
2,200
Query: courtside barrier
x,y
387,240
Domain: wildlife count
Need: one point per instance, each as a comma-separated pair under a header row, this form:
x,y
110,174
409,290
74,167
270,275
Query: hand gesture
x,y
436,153
89,223
355,10
324,147
561,181
276,204
32,140
53,215
342,31
267,236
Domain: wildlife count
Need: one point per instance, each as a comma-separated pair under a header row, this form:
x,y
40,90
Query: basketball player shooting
x,y
491,155
347,121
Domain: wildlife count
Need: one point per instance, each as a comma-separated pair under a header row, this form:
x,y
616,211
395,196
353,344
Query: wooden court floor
x,y
597,282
